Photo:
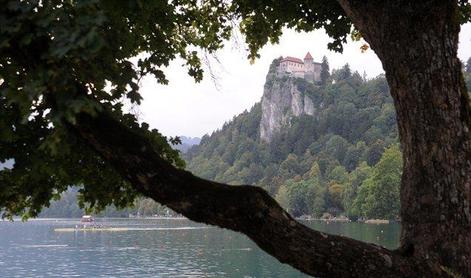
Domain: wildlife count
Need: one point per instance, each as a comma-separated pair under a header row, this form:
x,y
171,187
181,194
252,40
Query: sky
x,y
186,108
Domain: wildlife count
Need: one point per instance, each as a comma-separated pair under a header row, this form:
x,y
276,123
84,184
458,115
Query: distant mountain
x,y
190,140
187,143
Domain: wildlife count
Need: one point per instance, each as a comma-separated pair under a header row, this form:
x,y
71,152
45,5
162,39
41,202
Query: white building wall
x,y
288,66
308,70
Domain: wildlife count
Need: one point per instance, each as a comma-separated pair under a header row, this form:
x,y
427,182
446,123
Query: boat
x,y
87,219
87,222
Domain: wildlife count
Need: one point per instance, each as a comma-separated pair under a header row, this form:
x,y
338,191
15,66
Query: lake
x,y
152,248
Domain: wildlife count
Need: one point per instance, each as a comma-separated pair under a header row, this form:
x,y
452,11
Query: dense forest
x,y
68,207
186,143
344,159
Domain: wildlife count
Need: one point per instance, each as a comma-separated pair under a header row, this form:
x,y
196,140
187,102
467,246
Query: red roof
x,y
292,59
308,56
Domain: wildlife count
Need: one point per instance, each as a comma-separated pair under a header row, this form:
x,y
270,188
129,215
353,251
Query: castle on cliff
x,y
307,68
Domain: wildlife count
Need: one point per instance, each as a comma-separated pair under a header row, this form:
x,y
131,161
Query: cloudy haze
x,y
186,108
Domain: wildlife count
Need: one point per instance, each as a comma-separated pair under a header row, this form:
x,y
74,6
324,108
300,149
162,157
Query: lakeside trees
x,y
353,123
378,194
68,207
58,56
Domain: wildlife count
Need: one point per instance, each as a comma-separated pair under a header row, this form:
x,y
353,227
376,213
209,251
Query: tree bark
x,y
246,209
417,43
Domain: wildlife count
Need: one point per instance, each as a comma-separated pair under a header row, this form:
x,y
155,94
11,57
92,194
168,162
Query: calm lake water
x,y
151,248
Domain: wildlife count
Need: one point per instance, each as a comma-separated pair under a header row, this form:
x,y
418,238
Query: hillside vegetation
x,y
342,159
68,207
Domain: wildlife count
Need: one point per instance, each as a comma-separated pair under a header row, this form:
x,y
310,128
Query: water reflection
x,y
149,249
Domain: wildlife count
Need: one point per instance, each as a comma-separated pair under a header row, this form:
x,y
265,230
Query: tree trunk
x,y
246,209
417,43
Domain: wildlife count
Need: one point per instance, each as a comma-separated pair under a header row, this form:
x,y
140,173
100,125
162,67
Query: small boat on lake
x,y
87,219
87,222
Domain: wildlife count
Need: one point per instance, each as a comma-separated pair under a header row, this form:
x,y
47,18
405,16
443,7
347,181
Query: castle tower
x,y
308,67
308,58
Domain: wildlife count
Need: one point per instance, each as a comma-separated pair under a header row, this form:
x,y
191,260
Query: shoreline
x,y
78,218
347,220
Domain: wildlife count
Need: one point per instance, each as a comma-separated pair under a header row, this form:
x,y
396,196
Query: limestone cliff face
x,y
281,102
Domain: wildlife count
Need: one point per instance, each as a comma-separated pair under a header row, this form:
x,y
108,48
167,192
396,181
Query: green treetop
x,y
325,70
65,66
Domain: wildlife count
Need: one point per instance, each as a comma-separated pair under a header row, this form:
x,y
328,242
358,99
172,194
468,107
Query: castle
x,y
307,68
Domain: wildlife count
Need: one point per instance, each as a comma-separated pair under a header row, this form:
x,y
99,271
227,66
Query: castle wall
x,y
288,66
307,69
308,65
309,76
299,74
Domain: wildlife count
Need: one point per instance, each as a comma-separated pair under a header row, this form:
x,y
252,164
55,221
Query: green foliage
x,y
325,71
302,197
342,74
67,206
464,11
317,163
352,200
61,58
262,22
373,154
378,195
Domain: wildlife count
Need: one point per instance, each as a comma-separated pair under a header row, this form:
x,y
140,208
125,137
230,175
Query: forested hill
x,y
186,143
310,145
325,148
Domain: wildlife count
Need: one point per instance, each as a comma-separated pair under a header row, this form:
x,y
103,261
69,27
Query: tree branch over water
x,y
246,209
64,66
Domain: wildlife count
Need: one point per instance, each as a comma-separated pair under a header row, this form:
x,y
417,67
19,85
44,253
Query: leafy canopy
x,y
314,163
59,58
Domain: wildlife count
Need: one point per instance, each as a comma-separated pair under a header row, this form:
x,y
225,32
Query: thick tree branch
x,y
246,209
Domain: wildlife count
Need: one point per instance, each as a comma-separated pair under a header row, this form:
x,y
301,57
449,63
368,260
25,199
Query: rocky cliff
x,y
339,125
281,101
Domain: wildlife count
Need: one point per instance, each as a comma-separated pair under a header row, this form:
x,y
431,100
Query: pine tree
x,y
325,71
346,72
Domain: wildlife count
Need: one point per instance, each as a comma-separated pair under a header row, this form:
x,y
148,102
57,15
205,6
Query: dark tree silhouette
x,y
325,70
62,127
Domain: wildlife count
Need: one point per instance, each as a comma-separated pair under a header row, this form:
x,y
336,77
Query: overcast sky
x,y
193,109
